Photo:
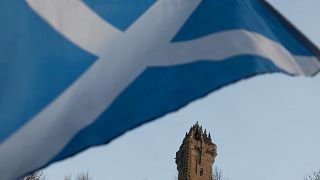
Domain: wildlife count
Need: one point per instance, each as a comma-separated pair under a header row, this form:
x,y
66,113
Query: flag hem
x,y
295,31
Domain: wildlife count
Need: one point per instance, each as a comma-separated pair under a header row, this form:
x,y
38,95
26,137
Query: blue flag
x,y
79,73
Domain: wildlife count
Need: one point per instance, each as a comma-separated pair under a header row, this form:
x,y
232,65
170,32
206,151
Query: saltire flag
x,y
79,73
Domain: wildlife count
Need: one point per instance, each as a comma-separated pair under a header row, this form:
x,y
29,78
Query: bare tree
x,y
68,177
40,176
34,176
83,176
218,175
315,176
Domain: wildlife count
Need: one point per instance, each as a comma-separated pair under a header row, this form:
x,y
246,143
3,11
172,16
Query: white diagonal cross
x,y
123,56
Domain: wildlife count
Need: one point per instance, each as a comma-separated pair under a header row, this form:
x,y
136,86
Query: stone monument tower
x,y
196,155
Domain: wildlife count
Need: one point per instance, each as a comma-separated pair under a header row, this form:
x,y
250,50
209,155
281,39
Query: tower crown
x,y
196,155
198,134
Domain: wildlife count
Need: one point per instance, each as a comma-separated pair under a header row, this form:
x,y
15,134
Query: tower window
x,y
201,172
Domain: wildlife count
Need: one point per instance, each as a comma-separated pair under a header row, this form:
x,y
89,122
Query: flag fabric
x,y
79,73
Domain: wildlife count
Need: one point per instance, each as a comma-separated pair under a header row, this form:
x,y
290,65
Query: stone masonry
x,y
196,155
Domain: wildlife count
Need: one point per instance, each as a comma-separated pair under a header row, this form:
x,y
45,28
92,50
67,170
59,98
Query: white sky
x,y
266,128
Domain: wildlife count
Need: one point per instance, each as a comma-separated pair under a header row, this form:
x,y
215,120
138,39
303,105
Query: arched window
x,y
201,172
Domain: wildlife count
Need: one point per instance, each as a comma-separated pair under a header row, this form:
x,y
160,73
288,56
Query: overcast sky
x,y
266,128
